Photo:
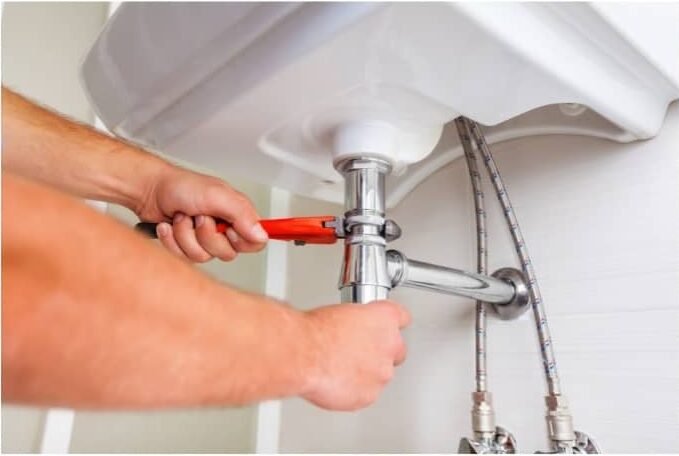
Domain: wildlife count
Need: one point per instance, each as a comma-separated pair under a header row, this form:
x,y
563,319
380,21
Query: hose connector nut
x,y
559,421
483,415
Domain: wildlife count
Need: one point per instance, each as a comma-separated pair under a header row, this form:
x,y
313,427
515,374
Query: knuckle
x,y
217,247
240,248
203,235
386,374
252,247
240,197
227,256
401,346
395,311
208,239
245,207
182,227
208,224
388,309
202,257
192,250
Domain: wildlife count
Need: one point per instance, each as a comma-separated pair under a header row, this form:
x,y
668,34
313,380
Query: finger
x,y
166,237
387,373
185,235
404,317
240,244
234,207
401,314
216,244
401,352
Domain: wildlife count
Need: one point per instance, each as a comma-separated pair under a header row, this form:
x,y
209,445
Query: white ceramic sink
x,y
276,91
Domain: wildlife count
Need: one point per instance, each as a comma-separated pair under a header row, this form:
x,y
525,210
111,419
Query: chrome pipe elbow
x,y
505,290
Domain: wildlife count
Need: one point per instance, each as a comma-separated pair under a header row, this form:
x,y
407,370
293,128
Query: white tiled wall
x,y
601,221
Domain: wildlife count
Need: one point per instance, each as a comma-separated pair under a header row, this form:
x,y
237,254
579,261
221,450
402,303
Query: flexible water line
x,y
481,250
546,350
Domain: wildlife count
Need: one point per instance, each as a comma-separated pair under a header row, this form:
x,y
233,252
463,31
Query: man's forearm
x,y
75,158
95,316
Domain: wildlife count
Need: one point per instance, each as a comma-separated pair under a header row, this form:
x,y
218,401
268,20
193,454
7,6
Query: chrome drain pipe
x,y
364,275
369,272
502,290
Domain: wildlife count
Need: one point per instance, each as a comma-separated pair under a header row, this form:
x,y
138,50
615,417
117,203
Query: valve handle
x,y
301,230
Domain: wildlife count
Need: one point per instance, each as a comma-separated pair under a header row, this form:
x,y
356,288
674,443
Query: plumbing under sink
x,y
360,102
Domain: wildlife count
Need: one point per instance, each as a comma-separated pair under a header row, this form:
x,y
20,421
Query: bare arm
x,y
94,316
72,157
44,146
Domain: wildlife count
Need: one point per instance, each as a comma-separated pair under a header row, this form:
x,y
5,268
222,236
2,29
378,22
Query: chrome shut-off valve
x,y
560,428
502,442
488,438
582,444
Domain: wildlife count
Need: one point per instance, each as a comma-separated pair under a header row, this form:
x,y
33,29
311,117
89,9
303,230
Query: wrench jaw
x,y
336,224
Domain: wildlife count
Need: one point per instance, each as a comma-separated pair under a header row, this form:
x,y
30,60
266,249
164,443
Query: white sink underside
x,y
259,90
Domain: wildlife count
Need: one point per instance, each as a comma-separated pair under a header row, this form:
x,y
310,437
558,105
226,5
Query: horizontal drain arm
x,y
441,279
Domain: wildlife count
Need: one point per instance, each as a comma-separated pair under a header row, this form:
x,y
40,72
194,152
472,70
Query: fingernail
x,y
232,235
200,220
259,233
178,217
163,229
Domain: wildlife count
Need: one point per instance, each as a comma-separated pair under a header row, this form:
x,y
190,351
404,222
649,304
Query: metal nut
x,y
555,402
391,230
479,397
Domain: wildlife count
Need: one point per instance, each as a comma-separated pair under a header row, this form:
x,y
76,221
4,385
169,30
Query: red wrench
x,y
324,229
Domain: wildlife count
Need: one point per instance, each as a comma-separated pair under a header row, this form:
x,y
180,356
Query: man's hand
x,y
177,195
358,347
108,330
43,146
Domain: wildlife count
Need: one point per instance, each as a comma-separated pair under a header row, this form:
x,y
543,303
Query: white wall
x,y
42,47
601,221
43,44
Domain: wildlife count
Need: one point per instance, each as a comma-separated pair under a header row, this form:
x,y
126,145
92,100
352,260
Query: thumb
x,y
235,208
